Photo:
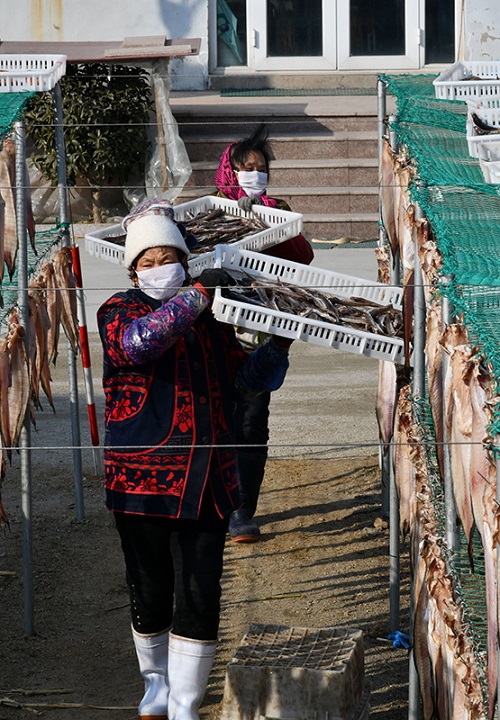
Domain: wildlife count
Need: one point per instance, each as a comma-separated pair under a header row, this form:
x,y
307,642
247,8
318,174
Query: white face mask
x,y
253,183
163,281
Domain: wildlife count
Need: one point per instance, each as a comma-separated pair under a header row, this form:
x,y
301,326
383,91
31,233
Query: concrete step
x,y
335,80
331,144
312,200
329,227
355,172
325,152
209,113
239,127
338,216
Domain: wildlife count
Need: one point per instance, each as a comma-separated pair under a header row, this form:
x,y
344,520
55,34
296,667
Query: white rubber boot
x,y
152,654
189,665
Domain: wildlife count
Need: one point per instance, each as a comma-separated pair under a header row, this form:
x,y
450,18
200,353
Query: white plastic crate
x,y
283,224
23,73
282,673
491,116
491,171
452,84
489,160
263,319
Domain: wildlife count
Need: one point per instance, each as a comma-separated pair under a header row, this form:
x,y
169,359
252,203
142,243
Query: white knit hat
x,y
151,230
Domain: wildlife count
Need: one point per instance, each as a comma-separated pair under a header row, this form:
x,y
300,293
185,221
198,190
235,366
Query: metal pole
x,y
385,455
25,435
497,456
394,552
86,362
381,113
388,477
414,703
452,531
65,241
393,137
385,470
419,329
418,385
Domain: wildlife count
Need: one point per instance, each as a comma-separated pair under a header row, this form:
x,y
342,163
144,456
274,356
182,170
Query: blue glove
x,y
399,639
246,202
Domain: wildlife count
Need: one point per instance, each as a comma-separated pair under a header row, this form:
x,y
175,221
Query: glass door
x,y
378,35
291,34
297,35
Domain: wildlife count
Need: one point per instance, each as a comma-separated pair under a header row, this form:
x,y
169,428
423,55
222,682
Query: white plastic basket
x,y
453,84
491,116
263,319
22,73
489,160
283,224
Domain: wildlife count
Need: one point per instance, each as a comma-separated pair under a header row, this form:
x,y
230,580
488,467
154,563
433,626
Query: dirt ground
x,y
323,562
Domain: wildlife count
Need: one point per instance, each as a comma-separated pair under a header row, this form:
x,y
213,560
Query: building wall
x,y
482,29
101,20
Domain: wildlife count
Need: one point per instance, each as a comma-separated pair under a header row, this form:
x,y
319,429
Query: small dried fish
x,y
66,285
315,304
4,520
7,184
38,310
483,128
54,309
5,382
19,390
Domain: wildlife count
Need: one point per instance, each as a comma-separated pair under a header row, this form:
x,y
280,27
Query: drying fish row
x,y
51,304
462,397
450,678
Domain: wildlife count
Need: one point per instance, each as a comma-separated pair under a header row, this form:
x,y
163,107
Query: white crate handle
x,y
218,256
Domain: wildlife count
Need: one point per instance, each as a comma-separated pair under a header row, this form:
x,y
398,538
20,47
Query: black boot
x,y
250,470
242,527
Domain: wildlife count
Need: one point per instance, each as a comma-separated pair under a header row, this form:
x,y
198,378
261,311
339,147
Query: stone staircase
x,y
324,148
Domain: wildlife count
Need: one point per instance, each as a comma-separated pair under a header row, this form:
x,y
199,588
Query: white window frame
x,y
257,41
413,41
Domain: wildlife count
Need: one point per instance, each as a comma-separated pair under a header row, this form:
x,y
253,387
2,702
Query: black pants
x,y
174,569
251,428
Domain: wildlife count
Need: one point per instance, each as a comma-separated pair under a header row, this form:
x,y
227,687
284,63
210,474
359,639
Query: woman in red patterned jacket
x,y
171,375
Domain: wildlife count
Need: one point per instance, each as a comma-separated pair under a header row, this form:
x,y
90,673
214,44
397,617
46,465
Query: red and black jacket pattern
x,y
168,421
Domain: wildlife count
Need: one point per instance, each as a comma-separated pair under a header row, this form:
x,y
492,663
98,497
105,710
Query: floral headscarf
x,y
227,182
159,206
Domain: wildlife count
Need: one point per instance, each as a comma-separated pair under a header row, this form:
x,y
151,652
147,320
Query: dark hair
x,y
258,141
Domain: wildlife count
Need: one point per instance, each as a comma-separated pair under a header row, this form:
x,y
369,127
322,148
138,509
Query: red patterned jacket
x,y
169,378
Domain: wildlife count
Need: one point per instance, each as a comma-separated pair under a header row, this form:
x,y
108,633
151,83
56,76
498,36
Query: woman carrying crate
x,y
171,376
243,175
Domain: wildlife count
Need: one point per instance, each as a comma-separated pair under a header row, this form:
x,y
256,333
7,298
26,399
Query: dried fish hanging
x,y
456,265
16,219
442,630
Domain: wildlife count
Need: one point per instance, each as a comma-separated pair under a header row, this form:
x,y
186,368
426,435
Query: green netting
x,y
44,244
463,210
416,103
11,106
